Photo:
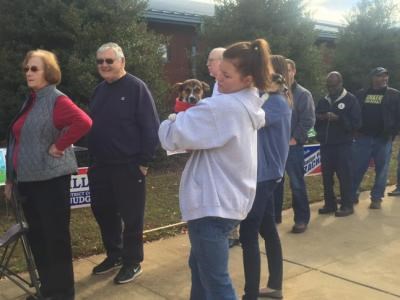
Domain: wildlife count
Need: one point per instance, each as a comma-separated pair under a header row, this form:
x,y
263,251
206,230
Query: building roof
x,y
327,30
191,12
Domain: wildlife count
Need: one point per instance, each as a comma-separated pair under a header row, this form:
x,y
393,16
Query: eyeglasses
x,y
33,69
109,61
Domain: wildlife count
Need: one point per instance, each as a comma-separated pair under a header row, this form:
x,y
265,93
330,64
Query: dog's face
x,y
191,90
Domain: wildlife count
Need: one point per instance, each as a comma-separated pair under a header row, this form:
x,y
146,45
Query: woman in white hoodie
x,y
219,181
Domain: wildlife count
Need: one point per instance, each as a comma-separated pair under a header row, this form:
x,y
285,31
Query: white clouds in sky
x,y
325,10
330,10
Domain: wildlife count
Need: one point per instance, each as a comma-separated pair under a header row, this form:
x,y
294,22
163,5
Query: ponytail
x,y
281,76
252,58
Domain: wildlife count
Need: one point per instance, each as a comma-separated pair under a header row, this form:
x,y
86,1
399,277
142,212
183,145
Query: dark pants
x,y
46,206
295,171
261,220
118,194
337,159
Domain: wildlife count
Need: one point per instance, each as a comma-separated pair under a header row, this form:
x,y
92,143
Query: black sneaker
x,y
107,265
127,274
326,210
344,212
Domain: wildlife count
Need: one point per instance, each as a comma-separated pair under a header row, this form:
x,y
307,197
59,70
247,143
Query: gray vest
x,y
37,135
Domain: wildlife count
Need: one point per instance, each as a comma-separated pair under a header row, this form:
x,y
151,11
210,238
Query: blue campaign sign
x,y
312,160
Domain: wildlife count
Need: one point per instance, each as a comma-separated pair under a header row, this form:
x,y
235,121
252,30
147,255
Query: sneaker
x,y
299,228
395,192
375,205
344,212
326,210
107,265
127,274
270,293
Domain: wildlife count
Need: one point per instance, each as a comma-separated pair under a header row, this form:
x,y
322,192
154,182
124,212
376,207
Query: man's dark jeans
x,y
295,171
118,194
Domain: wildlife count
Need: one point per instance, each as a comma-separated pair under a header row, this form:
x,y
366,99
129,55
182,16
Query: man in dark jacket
x,y
122,141
380,107
338,117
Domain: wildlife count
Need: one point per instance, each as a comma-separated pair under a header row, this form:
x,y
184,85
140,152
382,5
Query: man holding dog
x,y
122,141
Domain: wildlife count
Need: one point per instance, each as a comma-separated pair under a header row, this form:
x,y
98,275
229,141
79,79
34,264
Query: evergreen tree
x,y
283,23
371,39
74,29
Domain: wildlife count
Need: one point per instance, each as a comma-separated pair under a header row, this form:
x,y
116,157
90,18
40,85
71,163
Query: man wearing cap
x,y
380,109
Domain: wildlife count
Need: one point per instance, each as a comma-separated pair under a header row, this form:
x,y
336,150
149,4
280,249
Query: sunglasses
x,y
109,61
33,69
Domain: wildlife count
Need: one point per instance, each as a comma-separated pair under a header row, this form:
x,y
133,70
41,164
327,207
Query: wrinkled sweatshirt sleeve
x,y
194,129
275,111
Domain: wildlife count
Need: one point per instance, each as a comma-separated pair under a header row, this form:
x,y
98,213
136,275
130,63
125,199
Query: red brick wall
x,y
181,38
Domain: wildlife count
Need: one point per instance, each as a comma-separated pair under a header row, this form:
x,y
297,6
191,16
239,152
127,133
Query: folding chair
x,y
15,235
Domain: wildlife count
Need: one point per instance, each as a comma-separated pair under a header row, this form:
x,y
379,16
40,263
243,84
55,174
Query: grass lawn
x,y
162,206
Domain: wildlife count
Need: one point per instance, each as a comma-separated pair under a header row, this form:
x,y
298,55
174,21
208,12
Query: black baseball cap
x,y
378,71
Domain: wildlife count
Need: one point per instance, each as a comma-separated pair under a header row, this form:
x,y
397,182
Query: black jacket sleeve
x,y
149,122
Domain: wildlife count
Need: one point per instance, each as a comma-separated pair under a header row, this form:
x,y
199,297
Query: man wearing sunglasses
x,y
122,141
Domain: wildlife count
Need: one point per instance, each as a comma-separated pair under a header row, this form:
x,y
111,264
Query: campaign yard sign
x,y
312,160
80,194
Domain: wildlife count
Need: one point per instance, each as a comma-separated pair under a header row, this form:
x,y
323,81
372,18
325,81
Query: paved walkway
x,y
356,257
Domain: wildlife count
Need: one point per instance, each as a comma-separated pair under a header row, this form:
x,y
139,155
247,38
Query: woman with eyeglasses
x,y
273,149
40,161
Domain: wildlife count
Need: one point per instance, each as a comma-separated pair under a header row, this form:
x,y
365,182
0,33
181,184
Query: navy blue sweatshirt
x,y
125,122
342,130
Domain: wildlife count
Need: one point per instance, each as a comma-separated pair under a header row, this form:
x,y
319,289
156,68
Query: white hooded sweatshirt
x,y
220,177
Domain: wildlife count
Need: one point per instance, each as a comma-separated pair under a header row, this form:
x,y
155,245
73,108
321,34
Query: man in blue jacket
x,y
380,111
338,117
121,143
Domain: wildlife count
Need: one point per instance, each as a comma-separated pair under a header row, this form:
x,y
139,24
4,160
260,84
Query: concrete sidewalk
x,y
356,257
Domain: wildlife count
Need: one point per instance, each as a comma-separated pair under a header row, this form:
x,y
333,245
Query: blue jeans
x,y
209,258
261,220
365,148
295,171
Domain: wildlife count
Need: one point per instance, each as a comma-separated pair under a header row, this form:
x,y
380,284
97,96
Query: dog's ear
x,y
177,87
206,87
